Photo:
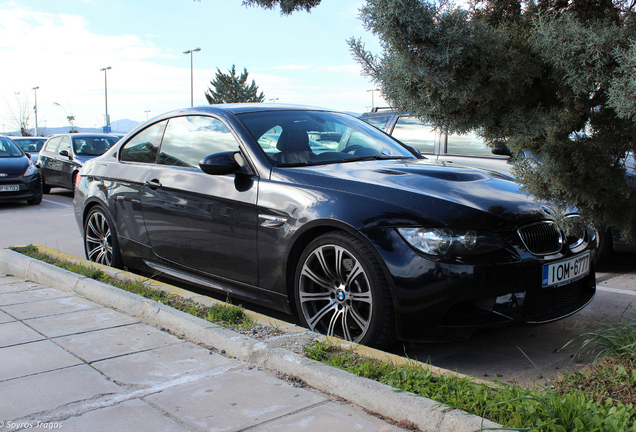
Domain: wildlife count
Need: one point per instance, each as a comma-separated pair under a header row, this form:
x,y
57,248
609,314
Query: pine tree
x,y
230,88
555,77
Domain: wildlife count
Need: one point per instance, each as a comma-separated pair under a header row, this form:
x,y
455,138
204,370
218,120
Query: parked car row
x,y
317,213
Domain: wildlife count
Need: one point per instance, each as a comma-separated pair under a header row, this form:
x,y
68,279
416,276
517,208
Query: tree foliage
x,y
287,7
230,88
555,77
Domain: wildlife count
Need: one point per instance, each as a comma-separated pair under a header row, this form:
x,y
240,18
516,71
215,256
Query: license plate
x,y
9,188
563,272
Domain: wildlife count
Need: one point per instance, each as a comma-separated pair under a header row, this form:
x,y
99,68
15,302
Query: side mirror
x,y
65,153
220,163
28,154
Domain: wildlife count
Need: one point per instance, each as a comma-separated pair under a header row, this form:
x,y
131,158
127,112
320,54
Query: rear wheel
x,y
341,291
100,239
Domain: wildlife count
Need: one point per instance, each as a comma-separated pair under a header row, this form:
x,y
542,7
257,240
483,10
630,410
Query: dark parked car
x,y
19,178
467,149
31,145
362,237
63,155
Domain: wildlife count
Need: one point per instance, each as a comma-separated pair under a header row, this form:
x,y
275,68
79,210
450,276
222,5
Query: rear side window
x,y
467,145
413,132
143,147
189,139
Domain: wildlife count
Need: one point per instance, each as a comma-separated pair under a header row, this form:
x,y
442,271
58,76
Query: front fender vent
x,y
542,238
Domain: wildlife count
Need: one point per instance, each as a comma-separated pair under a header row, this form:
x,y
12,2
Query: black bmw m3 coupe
x,y
320,214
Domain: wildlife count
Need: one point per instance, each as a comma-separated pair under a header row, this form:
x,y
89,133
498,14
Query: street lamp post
x,y
35,90
106,96
192,74
372,94
147,111
273,100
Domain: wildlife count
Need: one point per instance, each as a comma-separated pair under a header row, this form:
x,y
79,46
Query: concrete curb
x,y
397,405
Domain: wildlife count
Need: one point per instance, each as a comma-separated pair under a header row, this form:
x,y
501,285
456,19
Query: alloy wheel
x,y
335,294
98,239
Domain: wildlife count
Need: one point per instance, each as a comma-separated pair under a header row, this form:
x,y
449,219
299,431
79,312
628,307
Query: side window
x,y
53,144
377,121
65,145
413,132
143,147
467,145
189,139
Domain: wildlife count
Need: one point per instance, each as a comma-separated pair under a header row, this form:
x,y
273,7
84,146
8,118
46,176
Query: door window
x,y
143,147
65,145
189,139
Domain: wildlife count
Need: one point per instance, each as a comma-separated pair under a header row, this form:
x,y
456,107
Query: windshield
x,y
293,138
92,146
9,149
30,144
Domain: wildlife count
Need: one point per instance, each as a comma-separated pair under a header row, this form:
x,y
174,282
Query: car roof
x,y
241,108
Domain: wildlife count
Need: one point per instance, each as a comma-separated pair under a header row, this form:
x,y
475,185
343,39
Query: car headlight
x,y
451,242
30,171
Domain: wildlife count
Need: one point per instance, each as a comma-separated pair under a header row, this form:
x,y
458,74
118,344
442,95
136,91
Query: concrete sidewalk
x,y
80,355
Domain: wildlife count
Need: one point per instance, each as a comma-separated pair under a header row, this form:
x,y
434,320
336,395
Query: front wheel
x,y
341,291
100,239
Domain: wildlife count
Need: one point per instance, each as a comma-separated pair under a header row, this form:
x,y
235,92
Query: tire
x,y
341,291
45,188
100,239
36,200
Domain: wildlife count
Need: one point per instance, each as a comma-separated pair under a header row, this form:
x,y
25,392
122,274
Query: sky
x,y
61,46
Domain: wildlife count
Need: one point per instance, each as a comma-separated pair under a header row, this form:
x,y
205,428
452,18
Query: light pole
x,y
273,100
147,111
107,127
35,90
192,75
372,93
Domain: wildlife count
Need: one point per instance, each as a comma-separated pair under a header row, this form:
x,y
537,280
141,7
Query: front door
x,y
205,222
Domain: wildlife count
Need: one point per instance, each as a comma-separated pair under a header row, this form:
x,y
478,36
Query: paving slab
x,y
49,307
15,333
117,341
33,358
81,321
234,401
332,417
152,367
36,394
9,284
133,415
30,295
5,318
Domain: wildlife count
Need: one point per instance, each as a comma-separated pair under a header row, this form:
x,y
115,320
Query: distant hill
x,y
118,126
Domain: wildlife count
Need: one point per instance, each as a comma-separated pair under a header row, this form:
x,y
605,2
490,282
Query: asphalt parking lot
x,y
519,353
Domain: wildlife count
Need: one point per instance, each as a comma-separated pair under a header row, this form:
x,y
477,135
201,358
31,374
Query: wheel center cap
x,y
341,295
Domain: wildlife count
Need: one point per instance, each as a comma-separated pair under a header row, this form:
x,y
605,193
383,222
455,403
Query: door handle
x,y
153,184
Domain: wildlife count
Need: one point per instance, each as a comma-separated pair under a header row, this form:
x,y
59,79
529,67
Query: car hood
x,y
13,165
434,192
